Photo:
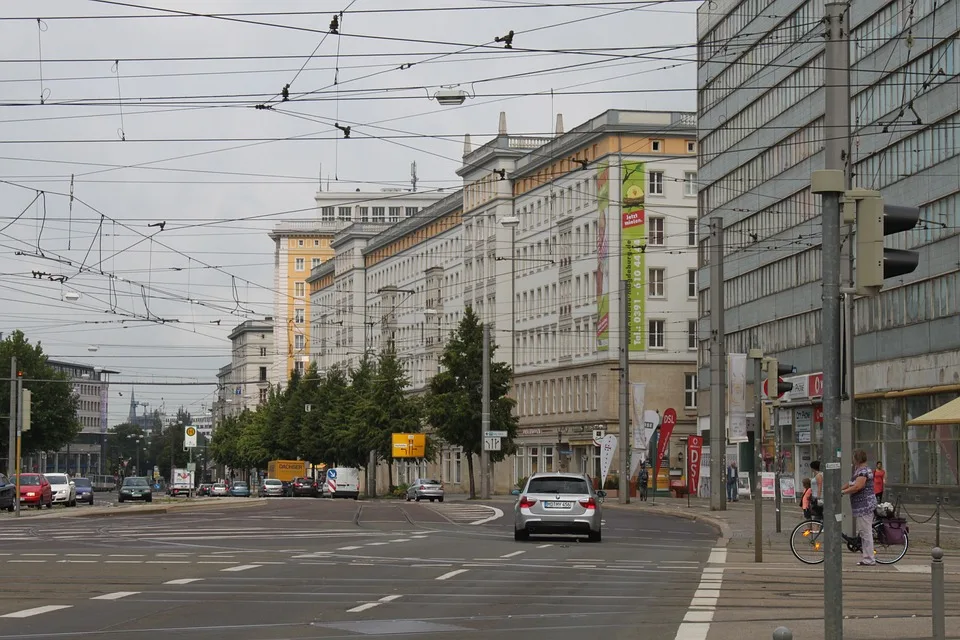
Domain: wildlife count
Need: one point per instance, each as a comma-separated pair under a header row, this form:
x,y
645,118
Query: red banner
x,y
667,424
694,453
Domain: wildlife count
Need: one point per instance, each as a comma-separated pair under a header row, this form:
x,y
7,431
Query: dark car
x,y
204,489
304,487
84,490
135,488
287,488
8,491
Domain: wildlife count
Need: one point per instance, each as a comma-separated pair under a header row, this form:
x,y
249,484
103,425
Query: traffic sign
x,y
491,444
190,437
494,434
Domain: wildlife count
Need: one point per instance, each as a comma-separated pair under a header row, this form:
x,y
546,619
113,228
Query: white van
x,y
342,482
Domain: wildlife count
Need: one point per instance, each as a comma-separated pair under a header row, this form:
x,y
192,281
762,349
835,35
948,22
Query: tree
x,y
225,443
327,423
390,410
53,412
454,399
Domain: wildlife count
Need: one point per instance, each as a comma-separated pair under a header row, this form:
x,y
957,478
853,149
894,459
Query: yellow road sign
x,y
409,445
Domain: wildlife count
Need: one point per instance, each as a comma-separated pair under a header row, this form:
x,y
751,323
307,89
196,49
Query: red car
x,y
35,491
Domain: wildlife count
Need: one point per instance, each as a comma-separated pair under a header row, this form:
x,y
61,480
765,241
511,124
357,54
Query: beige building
x,y
244,383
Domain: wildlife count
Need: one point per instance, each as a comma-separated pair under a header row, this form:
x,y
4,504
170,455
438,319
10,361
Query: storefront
x,y
567,449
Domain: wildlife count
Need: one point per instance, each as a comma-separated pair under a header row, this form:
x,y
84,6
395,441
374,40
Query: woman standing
x,y
863,502
879,480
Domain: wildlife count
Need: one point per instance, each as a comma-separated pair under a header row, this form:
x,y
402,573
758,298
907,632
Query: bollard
x,y
782,633
936,577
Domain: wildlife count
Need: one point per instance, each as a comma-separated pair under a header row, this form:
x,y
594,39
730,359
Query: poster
x,y
666,430
608,447
633,236
694,457
737,402
788,488
603,258
767,489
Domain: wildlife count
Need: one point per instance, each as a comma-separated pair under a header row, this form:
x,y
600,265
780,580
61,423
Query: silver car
x,y
424,488
562,503
271,487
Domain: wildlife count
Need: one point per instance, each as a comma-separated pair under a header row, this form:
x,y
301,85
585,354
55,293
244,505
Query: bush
x,y
522,482
400,491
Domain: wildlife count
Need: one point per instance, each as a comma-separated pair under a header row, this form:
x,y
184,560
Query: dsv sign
x,y
694,455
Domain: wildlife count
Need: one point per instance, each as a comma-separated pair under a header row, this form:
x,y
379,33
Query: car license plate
x,y
557,505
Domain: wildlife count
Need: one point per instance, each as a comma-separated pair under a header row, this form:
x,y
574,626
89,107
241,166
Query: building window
x,y
690,390
263,396
655,235
364,213
263,374
691,232
327,214
692,334
452,462
690,183
691,283
656,145
395,214
411,211
655,335
298,315
299,342
345,214
315,262
298,367
263,352
656,183
691,146
655,283
299,264
379,214
299,289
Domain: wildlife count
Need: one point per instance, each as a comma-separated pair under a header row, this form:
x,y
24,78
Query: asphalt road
x,y
302,568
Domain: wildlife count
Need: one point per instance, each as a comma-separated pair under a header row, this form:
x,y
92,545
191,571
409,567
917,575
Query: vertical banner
x,y
103,409
639,393
603,257
737,400
694,455
633,260
608,446
666,430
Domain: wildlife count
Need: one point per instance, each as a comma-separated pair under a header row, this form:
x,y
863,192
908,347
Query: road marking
x,y
84,555
36,611
390,598
38,555
376,544
242,567
26,561
431,565
401,540
584,566
126,555
77,561
348,548
124,562
363,607
183,581
419,537
164,561
544,546
496,514
116,595
699,615
510,555
451,574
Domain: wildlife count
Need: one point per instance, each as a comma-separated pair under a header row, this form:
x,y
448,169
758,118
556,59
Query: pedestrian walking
x,y
879,480
733,475
806,500
863,503
643,479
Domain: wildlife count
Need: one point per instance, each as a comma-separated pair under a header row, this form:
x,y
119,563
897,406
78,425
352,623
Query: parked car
x,y
240,490
204,489
220,489
304,487
35,491
424,488
135,488
63,488
558,503
8,492
84,488
287,488
271,487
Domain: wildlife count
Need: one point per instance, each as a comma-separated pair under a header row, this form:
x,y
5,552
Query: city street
x,y
302,568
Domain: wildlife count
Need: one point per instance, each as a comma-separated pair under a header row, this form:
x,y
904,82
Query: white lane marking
x,y
433,565
124,562
183,581
419,537
36,611
38,555
77,561
401,540
510,555
348,548
166,561
544,546
451,574
126,555
390,598
85,555
496,514
703,604
116,595
376,544
363,607
27,561
242,567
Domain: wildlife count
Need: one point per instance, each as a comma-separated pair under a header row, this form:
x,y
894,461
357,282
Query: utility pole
x,y
623,492
12,439
16,450
485,415
831,184
756,355
718,371
778,463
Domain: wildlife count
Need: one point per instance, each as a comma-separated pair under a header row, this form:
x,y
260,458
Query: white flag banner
x,y
737,400
608,447
639,390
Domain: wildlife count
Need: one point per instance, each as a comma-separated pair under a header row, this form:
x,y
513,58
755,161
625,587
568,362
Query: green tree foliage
x,y
53,412
455,397
166,447
390,410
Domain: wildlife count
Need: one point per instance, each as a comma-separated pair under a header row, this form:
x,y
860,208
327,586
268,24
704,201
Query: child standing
x,y
806,500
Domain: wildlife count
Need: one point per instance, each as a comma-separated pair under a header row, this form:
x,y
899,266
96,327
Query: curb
x,y
722,527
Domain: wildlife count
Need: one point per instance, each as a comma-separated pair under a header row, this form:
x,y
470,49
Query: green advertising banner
x,y
633,234
603,257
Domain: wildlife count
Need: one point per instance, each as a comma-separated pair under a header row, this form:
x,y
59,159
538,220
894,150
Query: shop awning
x,y
947,414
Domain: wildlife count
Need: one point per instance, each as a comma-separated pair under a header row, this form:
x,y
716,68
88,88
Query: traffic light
x,y
776,388
874,263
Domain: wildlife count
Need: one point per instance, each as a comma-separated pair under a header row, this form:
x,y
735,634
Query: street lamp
x,y
512,222
451,96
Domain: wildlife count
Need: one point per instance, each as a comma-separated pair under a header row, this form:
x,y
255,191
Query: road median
x,y
140,510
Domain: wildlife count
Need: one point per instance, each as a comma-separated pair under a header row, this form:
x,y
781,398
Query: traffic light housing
x,y
776,388
874,263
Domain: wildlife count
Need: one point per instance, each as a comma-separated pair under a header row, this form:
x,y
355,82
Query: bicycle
x,y
890,542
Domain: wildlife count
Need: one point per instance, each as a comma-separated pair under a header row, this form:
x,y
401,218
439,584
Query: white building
x,y
537,281
245,382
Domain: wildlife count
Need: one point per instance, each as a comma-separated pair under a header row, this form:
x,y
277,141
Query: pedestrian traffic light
x,y
775,386
874,263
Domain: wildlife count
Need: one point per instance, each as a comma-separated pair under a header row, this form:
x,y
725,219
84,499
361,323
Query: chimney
x,y
559,130
467,146
503,124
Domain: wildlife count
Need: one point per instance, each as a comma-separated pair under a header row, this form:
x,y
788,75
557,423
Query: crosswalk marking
x,y
464,513
36,611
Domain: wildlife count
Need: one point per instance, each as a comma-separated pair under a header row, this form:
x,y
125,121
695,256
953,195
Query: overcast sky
x,y
180,141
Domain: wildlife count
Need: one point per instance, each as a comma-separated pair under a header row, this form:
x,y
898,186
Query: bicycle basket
x,y
895,530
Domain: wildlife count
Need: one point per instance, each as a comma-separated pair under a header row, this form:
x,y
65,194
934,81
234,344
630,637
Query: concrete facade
x,y
245,382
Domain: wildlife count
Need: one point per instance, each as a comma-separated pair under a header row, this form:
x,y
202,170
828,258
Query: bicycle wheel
x,y
885,553
806,542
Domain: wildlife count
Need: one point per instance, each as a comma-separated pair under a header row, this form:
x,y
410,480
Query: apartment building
x,y
303,245
244,383
761,118
523,244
